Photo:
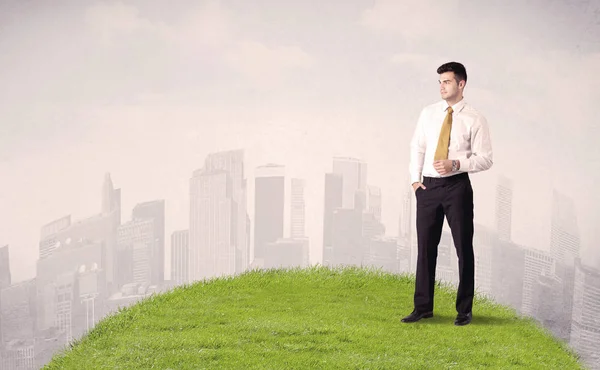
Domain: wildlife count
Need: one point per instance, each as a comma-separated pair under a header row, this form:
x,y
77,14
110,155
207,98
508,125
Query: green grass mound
x,y
311,318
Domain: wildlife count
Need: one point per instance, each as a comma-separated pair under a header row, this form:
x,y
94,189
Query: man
x,y
450,141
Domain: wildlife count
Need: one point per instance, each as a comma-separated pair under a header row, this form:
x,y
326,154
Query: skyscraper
x,y
111,197
218,232
155,211
212,225
504,195
48,240
352,212
136,249
405,231
297,210
536,263
585,332
564,237
374,201
180,256
232,162
268,207
332,201
354,174
111,213
5,277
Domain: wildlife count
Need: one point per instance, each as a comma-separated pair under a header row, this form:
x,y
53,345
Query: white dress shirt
x,y
470,141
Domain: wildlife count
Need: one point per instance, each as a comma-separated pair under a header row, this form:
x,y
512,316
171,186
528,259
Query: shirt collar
x,y
456,107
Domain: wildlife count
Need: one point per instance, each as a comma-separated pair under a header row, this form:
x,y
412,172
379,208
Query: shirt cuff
x,y
465,164
415,177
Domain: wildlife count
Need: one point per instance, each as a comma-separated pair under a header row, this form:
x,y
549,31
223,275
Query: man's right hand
x,y
416,185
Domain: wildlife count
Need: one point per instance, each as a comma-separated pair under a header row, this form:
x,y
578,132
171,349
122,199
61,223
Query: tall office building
x,y
218,231
136,246
508,273
17,325
504,196
232,162
111,216
180,255
332,201
269,198
405,231
286,253
585,325
564,237
372,226
348,247
536,263
101,227
155,211
67,282
345,189
212,227
447,260
382,252
5,276
484,242
297,209
354,175
111,197
374,201
48,233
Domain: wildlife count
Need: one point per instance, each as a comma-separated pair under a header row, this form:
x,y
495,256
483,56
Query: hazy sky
x,y
146,89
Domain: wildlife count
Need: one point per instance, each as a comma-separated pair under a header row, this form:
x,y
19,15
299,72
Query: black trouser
x,y
451,197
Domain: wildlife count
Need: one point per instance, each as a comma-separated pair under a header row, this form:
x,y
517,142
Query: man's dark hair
x,y
460,73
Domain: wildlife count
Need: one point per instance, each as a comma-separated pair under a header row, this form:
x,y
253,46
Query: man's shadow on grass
x,y
478,320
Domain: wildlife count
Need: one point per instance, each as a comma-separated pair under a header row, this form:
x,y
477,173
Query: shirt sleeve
x,y
418,145
481,157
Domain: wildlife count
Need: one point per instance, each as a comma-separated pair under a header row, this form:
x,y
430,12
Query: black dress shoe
x,y
416,316
463,319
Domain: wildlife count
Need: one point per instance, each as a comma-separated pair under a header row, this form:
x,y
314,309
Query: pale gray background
x,y
146,89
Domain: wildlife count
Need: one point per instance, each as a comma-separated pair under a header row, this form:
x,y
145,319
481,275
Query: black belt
x,y
445,180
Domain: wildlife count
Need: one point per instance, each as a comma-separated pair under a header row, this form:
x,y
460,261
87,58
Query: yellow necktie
x,y
444,140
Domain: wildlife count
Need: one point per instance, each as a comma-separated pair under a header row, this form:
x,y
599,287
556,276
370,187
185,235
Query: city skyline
x,y
565,242
390,230
502,213
388,220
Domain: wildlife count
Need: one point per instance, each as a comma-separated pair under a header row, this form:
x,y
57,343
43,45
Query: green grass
x,y
310,319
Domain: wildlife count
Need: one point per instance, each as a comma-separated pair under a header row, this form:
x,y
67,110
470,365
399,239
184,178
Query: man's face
x,y
449,88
